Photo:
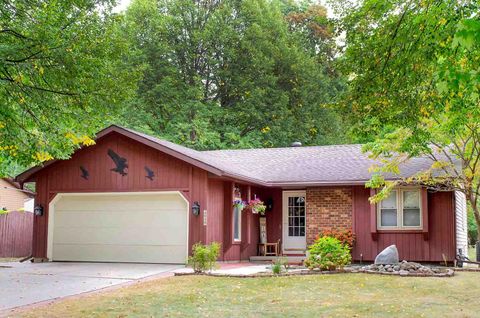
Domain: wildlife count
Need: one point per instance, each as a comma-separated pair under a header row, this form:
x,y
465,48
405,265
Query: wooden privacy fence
x,y
16,231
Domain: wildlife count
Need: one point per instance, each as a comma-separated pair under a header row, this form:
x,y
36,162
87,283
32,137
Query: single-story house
x,y
135,198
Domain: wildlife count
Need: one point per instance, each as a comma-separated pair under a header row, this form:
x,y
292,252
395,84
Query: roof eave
x,y
317,183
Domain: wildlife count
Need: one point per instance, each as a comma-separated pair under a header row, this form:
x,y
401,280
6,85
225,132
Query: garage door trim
x,y
58,196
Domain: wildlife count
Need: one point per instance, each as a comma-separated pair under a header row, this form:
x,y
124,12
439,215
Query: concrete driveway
x,y
27,283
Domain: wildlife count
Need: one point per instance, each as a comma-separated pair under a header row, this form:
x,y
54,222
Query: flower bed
x,y
405,268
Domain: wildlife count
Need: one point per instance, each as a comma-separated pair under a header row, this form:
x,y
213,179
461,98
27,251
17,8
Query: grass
x,y
9,259
341,295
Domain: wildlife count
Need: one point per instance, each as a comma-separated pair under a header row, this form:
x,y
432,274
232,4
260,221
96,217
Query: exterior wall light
x,y
38,210
196,208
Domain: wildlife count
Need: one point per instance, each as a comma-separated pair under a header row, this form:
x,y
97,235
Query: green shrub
x,y
276,268
280,264
204,257
328,253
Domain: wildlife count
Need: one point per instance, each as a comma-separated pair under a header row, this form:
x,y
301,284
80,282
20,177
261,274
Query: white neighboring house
x,y
14,198
461,228
28,204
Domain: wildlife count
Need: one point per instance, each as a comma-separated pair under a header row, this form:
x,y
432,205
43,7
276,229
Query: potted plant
x,y
257,206
239,203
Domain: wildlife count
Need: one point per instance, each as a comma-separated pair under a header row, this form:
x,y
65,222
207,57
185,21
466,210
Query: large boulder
x,y
388,256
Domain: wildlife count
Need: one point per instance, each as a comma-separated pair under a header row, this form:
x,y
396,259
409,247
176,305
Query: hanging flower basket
x,y
257,206
239,203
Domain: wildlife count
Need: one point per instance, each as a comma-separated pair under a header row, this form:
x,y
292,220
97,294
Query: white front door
x,y
294,222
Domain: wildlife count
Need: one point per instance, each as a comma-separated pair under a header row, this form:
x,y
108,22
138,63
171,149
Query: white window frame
x,y
239,238
400,225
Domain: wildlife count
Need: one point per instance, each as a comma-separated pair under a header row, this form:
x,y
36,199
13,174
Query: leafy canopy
x,y
228,73
414,81
60,77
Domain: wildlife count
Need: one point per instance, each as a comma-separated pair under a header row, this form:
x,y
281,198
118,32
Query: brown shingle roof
x,y
337,164
291,166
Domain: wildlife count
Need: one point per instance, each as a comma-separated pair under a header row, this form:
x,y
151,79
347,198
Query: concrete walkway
x,y
234,269
27,283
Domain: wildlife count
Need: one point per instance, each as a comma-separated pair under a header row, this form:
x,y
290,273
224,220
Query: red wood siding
x,y
171,174
274,217
412,245
250,226
215,215
16,234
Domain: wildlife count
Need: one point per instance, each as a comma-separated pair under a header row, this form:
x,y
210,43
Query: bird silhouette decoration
x,y
150,173
85,173
120,162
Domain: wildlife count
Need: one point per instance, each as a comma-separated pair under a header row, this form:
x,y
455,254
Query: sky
x,y
122,5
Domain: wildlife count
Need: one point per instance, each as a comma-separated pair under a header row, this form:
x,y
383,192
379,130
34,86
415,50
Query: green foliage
x,y
204,257
414,90
280,264
61,77
233,74
472,228
346,236
276,268
328,253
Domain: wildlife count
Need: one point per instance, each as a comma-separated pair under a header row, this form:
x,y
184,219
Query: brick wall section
x,y
328,208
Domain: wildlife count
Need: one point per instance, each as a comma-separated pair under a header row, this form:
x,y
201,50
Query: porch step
x,y
291,259
294,251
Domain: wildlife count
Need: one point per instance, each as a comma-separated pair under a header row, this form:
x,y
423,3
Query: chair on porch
x,y
269,249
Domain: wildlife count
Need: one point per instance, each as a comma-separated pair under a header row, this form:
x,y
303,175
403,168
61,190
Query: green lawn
x,y
342,295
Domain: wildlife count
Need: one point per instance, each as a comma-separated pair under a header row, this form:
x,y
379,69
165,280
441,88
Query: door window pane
x,y
296,216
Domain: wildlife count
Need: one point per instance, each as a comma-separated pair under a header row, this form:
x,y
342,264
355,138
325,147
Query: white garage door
x,y
143,228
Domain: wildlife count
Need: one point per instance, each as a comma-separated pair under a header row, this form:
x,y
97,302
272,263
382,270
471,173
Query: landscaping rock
x,y
388,256
406,269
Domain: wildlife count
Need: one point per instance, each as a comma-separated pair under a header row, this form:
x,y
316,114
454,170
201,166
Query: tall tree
x,y
60,77
229,73
414,90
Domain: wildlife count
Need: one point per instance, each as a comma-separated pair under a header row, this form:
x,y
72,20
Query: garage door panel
x,y
115,235
120,228
92,218
120,253
119,202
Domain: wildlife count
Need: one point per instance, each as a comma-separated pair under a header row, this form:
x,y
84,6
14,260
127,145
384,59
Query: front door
x,y
294,222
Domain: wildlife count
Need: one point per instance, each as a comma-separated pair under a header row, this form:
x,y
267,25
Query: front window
x,y
400,210
237,223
